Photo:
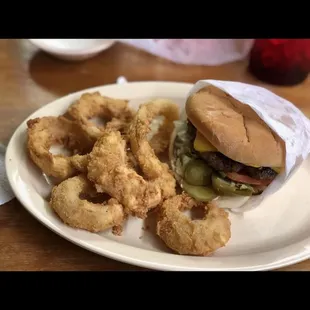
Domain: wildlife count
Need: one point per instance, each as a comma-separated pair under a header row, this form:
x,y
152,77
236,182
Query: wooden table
x,y
30,79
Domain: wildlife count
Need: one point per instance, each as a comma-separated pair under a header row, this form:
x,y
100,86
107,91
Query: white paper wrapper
x,y
281,116
195,51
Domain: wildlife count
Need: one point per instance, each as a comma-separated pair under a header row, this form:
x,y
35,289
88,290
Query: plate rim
x,y
289,260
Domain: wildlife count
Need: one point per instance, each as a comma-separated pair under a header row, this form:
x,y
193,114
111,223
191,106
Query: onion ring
x,y
47,131
80,162
151,166
161,129
109,170
92,105
192,237
80,213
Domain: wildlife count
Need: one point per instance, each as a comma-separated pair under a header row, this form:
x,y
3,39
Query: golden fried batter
x,y
192,237
47,131
116,112
79,213
108,169
159,135
151,166
80,162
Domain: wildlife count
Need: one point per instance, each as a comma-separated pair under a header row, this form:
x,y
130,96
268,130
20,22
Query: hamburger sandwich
x,y
221,147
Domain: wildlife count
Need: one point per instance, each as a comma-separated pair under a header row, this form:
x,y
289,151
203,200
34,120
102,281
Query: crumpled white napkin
x,y
6,193
195,51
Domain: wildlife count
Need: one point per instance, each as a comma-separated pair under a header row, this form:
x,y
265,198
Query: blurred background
x,y
36,71
276,61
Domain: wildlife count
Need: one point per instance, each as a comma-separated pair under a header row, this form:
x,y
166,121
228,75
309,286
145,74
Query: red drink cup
x,y
280,61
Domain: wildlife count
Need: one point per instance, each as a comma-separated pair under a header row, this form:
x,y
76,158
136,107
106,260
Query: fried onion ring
x,y
80,162
79,213
192,237
159,135
139,128
47,131
116,112
108,169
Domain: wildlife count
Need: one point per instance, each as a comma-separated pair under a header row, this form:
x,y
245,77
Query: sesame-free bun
x,y
234,128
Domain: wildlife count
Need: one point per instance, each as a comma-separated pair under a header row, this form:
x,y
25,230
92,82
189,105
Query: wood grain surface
x,y
29,79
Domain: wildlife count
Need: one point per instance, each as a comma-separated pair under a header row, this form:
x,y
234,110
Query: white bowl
x,y
73,49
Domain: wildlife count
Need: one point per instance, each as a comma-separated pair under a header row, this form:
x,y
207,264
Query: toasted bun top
x,y
234,128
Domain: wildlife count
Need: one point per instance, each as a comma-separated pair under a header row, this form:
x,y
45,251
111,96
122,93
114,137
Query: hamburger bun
x,y
234,129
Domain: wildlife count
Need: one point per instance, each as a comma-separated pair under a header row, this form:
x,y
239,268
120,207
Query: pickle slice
x,y
200,193
226,188
197,172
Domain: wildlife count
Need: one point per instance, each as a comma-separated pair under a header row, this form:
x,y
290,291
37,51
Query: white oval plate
x,y
274,235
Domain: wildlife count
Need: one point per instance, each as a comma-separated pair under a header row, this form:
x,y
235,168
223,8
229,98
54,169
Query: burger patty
x,y
263,173
220,162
